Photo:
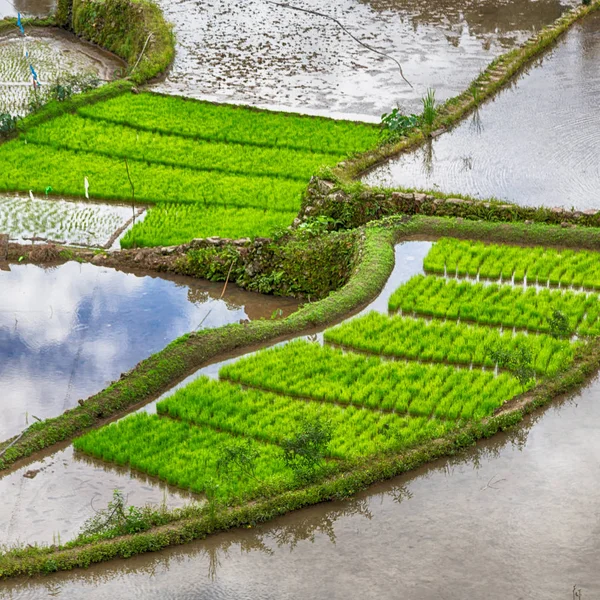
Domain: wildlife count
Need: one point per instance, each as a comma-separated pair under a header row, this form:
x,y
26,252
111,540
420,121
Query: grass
x,y
537,265
451,342
497,305
171,224
228,171
308,370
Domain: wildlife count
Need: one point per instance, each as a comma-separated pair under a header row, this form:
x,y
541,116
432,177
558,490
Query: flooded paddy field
x,y
53,53
536,143
265,55
474,526
66,332
24,218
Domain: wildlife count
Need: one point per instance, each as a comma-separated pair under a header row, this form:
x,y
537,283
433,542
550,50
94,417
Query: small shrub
x,y
429,109
559,326
8,123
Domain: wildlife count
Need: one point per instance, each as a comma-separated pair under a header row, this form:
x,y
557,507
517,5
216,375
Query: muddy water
x,y
254,52
28,8
536,143
48,500
66,332
52,53
517,517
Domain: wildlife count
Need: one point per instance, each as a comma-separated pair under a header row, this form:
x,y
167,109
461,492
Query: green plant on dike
x,y
395,124
238,458
8,123
305,452
430,110
116,519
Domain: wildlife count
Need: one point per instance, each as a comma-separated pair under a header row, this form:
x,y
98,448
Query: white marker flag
x,y
86,185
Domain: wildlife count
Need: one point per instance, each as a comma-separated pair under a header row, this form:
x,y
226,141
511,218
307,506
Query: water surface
x,y
257,53
66,332
536,143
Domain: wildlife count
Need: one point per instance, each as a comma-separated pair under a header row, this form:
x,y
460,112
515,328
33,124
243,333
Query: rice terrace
x,y
299,300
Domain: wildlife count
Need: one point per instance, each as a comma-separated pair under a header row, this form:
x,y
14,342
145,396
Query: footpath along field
x,y
395,383
210,169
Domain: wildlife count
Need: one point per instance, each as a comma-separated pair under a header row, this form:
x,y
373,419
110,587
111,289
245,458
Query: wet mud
x,y
265,55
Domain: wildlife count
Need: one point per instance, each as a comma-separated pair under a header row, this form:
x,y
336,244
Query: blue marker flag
x,y
35,77
19,24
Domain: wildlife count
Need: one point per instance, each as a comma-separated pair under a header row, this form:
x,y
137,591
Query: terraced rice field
x,y
210,170
384,383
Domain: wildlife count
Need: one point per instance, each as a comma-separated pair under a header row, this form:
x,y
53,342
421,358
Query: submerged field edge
x,y
497,74
198,522
156,374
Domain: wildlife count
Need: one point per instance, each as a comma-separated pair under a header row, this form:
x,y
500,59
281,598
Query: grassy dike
x,y
181,526
155,375
498,73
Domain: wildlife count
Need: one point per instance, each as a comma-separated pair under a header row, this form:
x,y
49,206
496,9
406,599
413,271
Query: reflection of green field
x,y
58,220
209,161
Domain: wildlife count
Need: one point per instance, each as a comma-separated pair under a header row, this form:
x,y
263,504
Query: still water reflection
x,y
67,331
534,144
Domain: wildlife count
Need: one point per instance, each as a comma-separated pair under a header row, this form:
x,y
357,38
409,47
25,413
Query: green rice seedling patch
x,y
272,418
29,166
451,342
173,224
72,132
235,124
539,265
309,370
184,455
497,305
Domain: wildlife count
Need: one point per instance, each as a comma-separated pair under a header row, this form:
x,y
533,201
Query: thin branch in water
x,y
132,189
319,14
227,280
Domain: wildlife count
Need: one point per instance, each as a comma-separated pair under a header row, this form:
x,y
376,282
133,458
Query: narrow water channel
x,y
266,55
535,144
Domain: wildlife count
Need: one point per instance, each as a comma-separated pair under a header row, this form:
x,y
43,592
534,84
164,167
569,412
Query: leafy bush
x,y
396,124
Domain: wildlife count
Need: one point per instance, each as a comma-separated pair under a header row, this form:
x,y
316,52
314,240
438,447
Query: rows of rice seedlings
x,y
184,455
231,124
173,224
273,418
33,167
58,220
312,371
451,342
102,137
534,265
497,305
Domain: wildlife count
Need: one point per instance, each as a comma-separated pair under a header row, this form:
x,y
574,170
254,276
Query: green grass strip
x,y
72,132
184,455
450,342
533,265
272,418
310,370
232,124
496,305
34,167
173,224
